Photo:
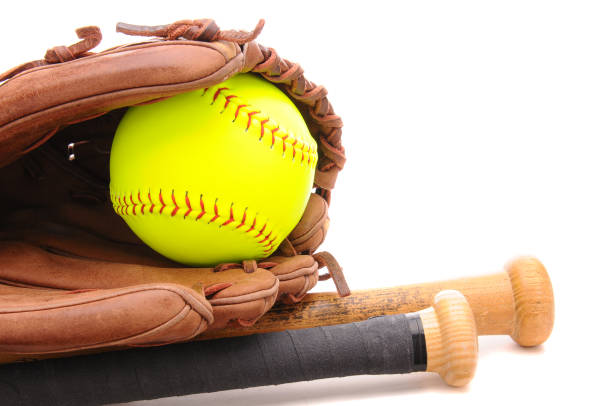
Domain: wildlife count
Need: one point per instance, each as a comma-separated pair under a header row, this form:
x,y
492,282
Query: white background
x,y
475,131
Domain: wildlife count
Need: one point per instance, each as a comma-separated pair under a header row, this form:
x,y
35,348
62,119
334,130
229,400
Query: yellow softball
x,y
214,175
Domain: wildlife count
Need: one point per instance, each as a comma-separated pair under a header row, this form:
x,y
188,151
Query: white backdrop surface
x,y
475,131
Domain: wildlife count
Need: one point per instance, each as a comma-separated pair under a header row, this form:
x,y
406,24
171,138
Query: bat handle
x,y
451,338
439,339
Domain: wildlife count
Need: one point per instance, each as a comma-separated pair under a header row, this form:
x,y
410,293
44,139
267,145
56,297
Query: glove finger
x,y
233,293
44,322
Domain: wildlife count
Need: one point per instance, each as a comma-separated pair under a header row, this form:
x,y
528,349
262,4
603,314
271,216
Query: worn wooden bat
x,y
518,302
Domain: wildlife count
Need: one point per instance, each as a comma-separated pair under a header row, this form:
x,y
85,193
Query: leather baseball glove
x,y
73,276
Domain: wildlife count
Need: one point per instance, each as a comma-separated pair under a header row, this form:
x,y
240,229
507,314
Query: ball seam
x,y
126,205
276,133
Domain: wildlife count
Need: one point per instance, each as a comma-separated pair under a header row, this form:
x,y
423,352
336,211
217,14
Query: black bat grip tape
x,y
381,345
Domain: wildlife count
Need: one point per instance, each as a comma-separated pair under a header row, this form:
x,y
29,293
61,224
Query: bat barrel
x,y
382,345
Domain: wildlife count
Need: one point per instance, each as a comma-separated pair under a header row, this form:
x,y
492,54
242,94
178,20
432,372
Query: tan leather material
x,y
90,38
311,230
204,29
227,296
102,82
62,245
241,314
79,89
73,242
335,272
295,289
126,68
48,322
288,267
253,55
297,275
27,265
312,101
326,179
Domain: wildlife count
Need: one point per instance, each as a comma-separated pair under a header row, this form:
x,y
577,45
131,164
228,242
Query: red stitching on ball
x,y
252,226
122,207
269,244
133,204
243,219
238,110
272,131
176,207
227,100
266,238
216,213
261,133
161,200
293,146
251,114
142,205
231,219
188,203
261,231
219,90
151,200
284,137
203,211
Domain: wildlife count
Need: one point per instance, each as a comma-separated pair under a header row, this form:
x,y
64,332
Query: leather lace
x,y
325,259
197,30
90,37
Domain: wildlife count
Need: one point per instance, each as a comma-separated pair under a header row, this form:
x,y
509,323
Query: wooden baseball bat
x,y
440,339
517,302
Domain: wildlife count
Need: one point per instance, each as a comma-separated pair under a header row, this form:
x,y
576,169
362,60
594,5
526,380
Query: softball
x,y
214,175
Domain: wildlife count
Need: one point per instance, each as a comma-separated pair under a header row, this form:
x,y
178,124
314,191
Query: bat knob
x,y
534,305
451,337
